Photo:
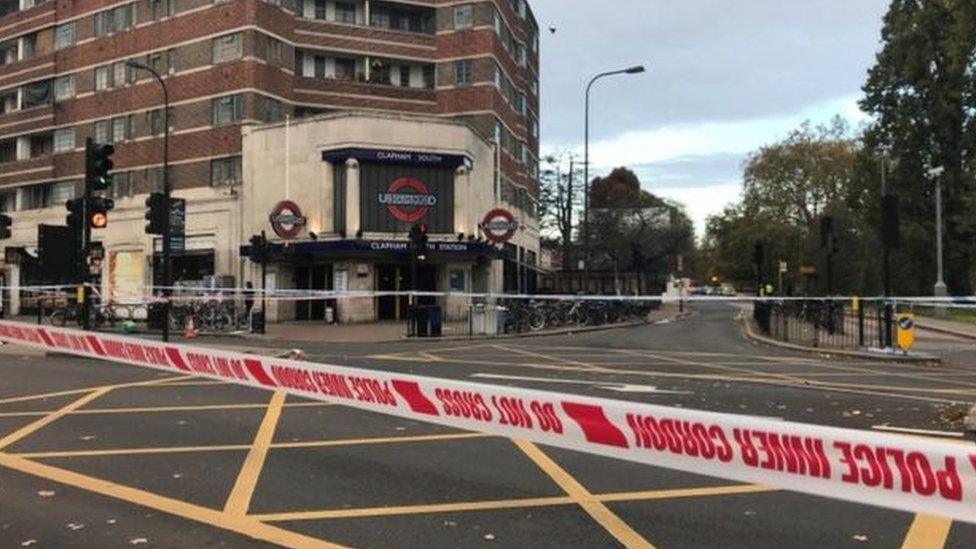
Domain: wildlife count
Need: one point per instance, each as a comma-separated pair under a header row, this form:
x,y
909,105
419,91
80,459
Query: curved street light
x,y
637,69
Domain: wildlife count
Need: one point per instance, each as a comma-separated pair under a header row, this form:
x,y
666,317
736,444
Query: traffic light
x,y
76,213
157,212
98,210
418,240
260,249
5,222
98,165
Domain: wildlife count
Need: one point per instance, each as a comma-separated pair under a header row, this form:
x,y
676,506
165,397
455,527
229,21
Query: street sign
x,y
808,270
906,331
177,225
783,267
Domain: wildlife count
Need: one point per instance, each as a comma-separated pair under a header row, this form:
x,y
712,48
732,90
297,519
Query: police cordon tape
x,y
898,472
207,294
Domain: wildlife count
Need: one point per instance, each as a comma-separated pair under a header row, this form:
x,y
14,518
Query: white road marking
x,y
894,429
618,387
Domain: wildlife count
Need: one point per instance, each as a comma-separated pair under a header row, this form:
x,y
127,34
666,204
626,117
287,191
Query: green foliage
x,y
634,230
922,92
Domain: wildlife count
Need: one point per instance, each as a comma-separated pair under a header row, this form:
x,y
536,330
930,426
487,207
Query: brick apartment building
x,y
230,64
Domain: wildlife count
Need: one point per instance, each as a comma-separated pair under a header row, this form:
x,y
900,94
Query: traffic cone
x,y
191,330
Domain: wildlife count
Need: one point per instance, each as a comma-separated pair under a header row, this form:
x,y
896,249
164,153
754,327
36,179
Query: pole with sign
x,y
906,331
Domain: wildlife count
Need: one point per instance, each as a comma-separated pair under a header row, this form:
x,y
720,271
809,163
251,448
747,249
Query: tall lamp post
x,y
167,191
586,155
940,289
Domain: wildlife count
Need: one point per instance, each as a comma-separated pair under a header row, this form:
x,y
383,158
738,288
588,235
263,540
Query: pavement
x,y
95,454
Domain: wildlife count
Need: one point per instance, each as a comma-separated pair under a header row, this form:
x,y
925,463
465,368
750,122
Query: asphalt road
x,y
100,455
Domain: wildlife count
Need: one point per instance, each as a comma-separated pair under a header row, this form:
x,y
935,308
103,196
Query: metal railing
x,y
823,323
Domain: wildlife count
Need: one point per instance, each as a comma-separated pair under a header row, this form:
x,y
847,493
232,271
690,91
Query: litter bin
x,y
419,322
154,316
257,321
435,316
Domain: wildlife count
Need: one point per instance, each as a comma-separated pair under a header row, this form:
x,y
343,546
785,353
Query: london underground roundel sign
x,y
287,220
499,225
407,199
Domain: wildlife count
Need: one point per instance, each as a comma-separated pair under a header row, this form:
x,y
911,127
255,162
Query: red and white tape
x,y
908,474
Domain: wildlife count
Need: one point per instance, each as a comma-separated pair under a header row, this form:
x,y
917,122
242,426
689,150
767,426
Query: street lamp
x,y
167,191
586,155
940,285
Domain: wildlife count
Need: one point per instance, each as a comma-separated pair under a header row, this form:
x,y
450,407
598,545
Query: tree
x,y
922,93
634,230
560,199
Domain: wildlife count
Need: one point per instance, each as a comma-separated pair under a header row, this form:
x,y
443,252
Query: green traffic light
x,y
105,182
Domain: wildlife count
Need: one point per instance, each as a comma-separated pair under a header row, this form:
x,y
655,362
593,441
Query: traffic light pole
x,y
83,276
167,192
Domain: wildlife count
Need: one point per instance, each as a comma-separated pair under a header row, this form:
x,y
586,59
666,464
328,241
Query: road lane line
x,y
927,532
560,360
27,398
596,509
35,426
242,447
239,524
240,497
156,409
506,504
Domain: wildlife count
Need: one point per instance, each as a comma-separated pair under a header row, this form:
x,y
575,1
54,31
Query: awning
x,y
389,250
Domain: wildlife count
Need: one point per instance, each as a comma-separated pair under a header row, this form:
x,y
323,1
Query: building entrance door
x,y
396,278
314,278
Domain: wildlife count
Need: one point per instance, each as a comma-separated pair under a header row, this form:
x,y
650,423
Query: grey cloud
x,y
709,59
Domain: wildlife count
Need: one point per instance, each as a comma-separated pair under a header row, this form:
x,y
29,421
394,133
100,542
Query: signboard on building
x,y
394,197
177,225
126,273
287,220
499,225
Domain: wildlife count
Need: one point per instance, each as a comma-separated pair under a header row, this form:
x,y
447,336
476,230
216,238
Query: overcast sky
x,y
724,77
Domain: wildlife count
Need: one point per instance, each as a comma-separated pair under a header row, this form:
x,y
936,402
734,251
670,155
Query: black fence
x,y
831,324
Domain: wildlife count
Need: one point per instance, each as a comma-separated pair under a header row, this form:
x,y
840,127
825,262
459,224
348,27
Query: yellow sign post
x,y
906,331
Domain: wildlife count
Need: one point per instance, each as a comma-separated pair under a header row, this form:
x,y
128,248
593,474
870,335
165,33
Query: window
x,y
64,87
162,8
103,78
496,76
64,140
225,171
154,119
48,195
274,55
404,76
345,69
379,18
429,76
102,132
463,16
320,9
227,48
227,110
171,60
122,74
272,109
123,185
8,201
155,62
153,178
115,20
345,12
122,128
64,36
462,72
318,64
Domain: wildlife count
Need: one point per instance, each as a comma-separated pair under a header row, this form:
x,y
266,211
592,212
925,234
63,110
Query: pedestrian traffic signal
x,y
5,222
98,165
76,213
157,213
98,210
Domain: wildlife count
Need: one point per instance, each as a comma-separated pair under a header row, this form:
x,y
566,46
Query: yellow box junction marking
x,y
240,497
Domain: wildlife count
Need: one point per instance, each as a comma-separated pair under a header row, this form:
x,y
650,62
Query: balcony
x,y
392,78
387,16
